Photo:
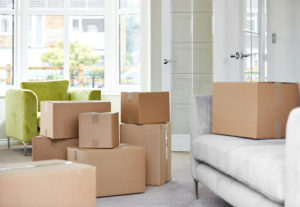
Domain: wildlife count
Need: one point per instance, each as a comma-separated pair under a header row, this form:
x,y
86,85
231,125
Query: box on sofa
x,y
44,148
145,107
156,139
47,183
253,110
59,119
98,130
120,170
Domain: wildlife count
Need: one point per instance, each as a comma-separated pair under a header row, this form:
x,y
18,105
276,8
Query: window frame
x,y
11,12
111,13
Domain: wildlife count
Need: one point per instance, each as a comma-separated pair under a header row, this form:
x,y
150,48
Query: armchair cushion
x,y
48,90
82,94
259,164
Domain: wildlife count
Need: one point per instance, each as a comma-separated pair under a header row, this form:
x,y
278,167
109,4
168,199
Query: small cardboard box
x,y
119,171
98,130
156,139
253,110
44,148
47,183
145,108
59,119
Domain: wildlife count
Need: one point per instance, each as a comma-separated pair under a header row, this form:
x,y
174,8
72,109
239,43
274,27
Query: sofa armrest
x,y
77,94
293,159
200,115
21,114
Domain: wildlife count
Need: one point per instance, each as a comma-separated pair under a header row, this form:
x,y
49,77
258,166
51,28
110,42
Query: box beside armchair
x,y
23,105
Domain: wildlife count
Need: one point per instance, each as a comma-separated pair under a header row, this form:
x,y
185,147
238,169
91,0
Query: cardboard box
x,y
59,119
145,108
98,130
253,110
47,183
156,138
119,171
44,148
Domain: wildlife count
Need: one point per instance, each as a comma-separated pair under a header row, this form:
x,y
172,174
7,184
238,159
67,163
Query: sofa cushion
x,y
48,90
258,164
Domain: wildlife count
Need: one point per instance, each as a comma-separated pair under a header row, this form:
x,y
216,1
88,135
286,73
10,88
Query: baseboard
x,y
181,143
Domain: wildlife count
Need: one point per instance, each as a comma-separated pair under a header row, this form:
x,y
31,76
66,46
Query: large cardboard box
x,y
253,110
145,108
119,171
59,119
44,148
47,183
98,130
156,138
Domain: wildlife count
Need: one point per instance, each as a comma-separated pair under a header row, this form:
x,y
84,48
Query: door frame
x,y
179,142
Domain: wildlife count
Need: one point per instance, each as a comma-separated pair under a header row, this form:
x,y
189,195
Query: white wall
x,y
284,59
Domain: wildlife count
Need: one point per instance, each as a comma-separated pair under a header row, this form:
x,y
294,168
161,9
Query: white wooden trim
x,y
181,143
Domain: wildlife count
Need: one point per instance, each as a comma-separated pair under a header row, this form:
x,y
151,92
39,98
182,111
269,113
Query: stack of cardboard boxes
x,y
120,169
145,122
59,127
88,134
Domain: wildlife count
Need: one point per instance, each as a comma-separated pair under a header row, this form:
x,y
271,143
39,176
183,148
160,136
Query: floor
x,y
178,193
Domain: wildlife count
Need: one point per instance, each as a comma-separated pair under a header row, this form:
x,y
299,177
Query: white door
x,y
187,59
240,31
206,40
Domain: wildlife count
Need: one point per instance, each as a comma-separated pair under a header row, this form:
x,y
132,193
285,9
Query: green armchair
x,y
23,105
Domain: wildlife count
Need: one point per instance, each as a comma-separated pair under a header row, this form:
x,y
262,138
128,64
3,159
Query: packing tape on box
x,y
277,129
167,150
129,119
95,118
95,142
53,144
277,92
35,165
129,96
75,154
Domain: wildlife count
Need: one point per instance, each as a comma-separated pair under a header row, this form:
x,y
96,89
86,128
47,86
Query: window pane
x,y
46,3
6,4
37,3
94,4
46,47
130,49
55,3
129,4
87,51
6,52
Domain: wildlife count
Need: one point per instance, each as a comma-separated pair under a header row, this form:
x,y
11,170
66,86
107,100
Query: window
x,y
129,37
7,18
93,43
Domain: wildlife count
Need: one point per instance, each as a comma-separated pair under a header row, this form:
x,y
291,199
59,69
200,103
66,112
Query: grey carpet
x,y
178,193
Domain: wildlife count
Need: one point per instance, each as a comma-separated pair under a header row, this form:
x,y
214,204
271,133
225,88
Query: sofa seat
x,y
258,164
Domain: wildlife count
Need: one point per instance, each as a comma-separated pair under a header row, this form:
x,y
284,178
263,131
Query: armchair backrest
x,y
48,90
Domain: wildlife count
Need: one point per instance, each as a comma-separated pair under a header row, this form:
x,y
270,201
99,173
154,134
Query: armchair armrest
x,y
292,166
200,115
84,94
21,114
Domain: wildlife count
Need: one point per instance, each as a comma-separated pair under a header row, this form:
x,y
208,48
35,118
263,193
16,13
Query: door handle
x,y
236,56
245,55
166,61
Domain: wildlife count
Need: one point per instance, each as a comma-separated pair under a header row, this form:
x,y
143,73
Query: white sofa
x,y
245,172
